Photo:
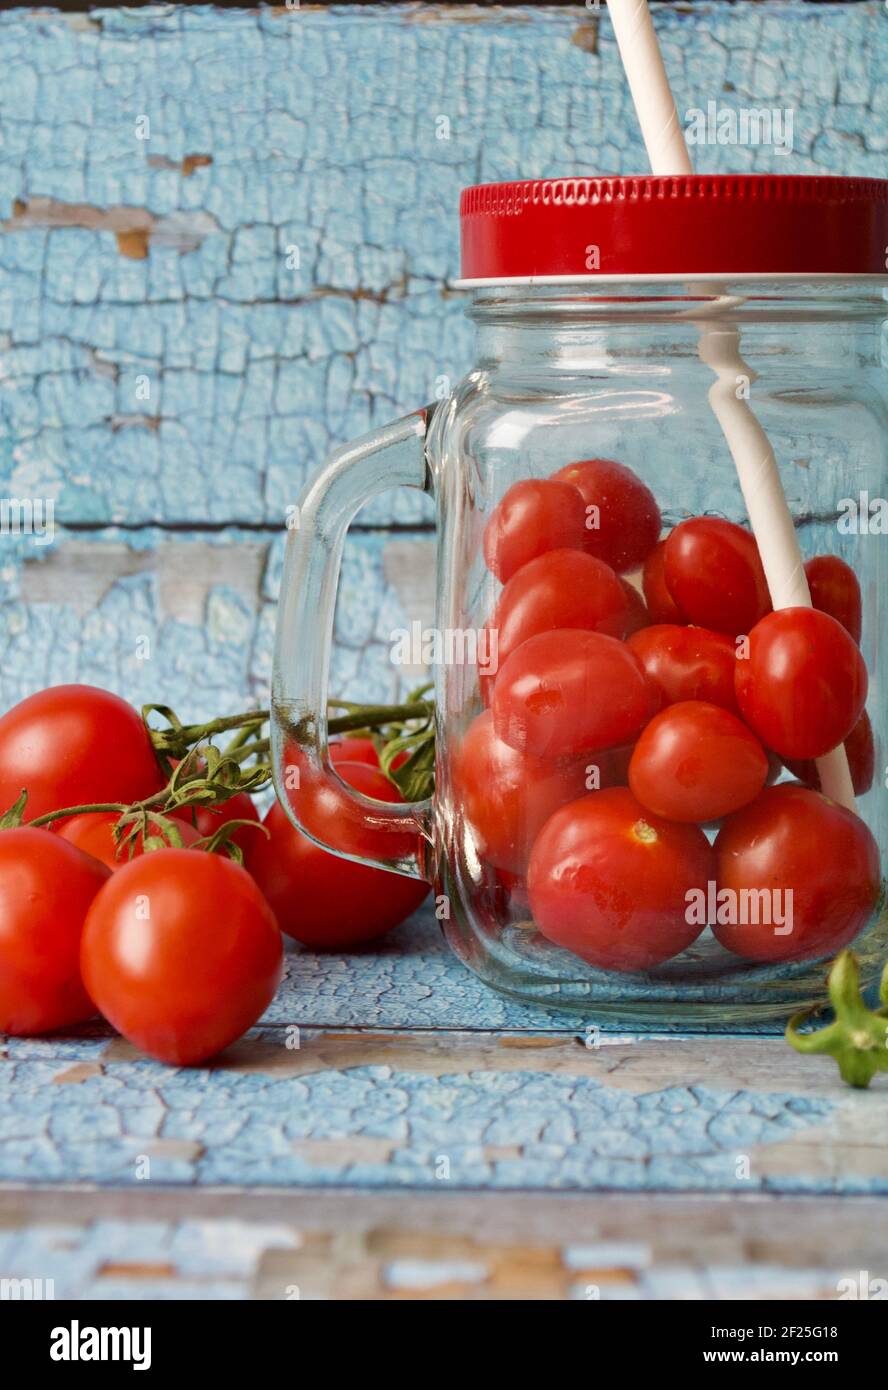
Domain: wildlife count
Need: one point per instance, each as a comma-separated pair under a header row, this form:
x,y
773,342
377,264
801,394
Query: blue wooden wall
x,y
169,376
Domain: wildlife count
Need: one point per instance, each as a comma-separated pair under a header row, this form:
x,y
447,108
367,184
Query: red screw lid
x,y
699,226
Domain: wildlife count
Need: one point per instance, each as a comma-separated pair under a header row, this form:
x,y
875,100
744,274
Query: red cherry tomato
x,y
563,588
610,882
793,840
637,615
323,901
696,762
354,750
713,572
835,590
46,887
567,691
75,745
508,796
534,516
803,686
361,750
688,663
622,516
661,606
93,833
181,954
860,746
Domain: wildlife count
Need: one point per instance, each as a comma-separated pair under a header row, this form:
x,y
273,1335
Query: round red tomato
x,y
803,686
507,796
688,663
75,745
569,691
561,589
46,887
621,514
835,590
860,747
354,750
534,516
612,883
93,832
696,762
798,876
661,606
714,573
320,899
181,954
207,820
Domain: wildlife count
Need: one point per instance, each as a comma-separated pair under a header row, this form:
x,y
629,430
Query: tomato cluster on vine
x,y
115,909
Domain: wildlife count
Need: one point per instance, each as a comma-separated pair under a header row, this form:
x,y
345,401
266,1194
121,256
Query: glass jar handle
x,y
387,835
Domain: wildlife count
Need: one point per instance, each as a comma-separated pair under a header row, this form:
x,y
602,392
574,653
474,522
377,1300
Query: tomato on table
x,y
561,589
621,514
534,516
803,686
713,571
795,840
93,832
181,953
860,747
696,762
835,589
324,901
568,691
46,888
75,745
688,663
661,606
507,796
610,882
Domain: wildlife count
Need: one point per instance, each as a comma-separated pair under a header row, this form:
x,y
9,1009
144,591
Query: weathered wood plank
x,y
188,1243
442,1111
166,264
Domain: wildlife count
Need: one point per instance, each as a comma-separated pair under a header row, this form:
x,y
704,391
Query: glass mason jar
x,y
631,737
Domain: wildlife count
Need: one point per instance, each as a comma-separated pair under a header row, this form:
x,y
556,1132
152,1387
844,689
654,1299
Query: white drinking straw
x,y
757,471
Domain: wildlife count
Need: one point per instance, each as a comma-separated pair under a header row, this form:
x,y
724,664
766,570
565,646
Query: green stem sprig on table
x,y
858,1037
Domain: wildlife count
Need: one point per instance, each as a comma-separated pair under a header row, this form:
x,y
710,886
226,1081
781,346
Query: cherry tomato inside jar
x,y
561,589
696,762
798,876
534,516
803,686
713,571
860,748
688,663
507,796
661,606
612,883
835,590
568,691
622,517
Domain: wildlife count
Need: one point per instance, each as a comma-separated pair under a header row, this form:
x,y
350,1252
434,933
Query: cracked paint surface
x,y
381,1125
315,137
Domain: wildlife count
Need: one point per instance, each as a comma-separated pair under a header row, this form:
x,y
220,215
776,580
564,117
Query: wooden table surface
x,y
393,1129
